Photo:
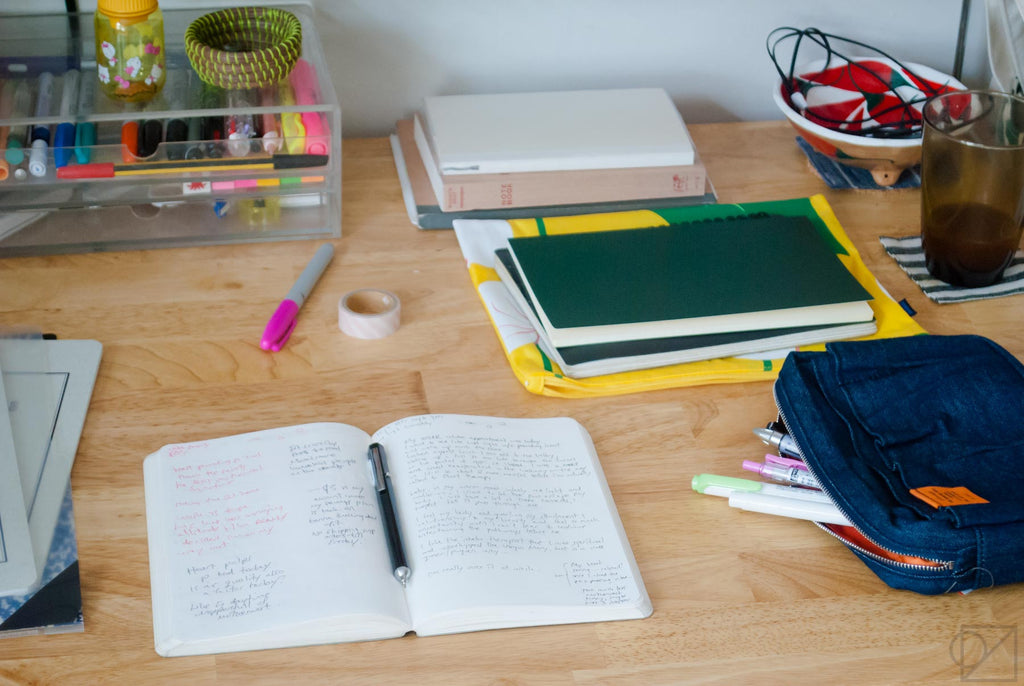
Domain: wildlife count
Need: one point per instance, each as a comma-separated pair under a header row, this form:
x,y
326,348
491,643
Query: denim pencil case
x,y
919,441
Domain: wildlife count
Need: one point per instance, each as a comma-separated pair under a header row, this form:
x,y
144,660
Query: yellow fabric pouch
x,y
478,240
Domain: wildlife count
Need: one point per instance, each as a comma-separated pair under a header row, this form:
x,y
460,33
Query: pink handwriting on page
x,y
218,502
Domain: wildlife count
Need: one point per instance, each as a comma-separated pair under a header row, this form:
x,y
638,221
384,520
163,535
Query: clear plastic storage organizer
x,y
195,165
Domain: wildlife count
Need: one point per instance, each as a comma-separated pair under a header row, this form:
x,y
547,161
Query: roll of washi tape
x,y
369,313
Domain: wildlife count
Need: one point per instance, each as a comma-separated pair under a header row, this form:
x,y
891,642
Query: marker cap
x,y
63,143
701,482
85,138
271,142
37,158
14,154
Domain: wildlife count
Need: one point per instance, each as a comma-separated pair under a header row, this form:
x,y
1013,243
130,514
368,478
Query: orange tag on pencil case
x,y
944,496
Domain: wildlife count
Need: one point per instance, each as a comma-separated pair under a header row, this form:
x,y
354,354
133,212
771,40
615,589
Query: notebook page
x,y
508,522
255,533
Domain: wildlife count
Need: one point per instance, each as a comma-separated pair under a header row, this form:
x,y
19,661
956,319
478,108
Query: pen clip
x,y
377,465
279,328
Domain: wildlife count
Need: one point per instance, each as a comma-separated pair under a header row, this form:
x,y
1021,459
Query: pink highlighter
x,y
307,92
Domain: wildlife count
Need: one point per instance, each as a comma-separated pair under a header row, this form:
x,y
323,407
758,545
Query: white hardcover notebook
x,y
49,385
275,538
18,570
591,129
55,397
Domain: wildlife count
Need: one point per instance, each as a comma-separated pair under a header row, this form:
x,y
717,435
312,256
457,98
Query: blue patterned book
x,y
56,606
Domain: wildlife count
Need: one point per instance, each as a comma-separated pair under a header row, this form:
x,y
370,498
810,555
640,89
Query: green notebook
x,y
717,276
584,361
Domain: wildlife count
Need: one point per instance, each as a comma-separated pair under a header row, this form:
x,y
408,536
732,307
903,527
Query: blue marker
x,y
85,131
41,132
64,138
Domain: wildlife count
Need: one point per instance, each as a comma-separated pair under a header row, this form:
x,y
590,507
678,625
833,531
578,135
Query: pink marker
x,y
307,92
282,322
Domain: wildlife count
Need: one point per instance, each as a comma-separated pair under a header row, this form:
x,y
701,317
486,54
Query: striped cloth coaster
x,y
836,175
910,257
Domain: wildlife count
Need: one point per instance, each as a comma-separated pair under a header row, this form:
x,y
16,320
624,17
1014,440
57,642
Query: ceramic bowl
x,y
831,92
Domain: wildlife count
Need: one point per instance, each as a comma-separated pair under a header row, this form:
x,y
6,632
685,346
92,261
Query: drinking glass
x,y
972,185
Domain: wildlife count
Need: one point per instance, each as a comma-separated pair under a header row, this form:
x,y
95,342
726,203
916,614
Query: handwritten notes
x,y
343,515
235,587
239,508
216,502
489,505
275,538
600,583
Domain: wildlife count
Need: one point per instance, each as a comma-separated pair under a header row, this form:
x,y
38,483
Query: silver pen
x,y
784,443
385,497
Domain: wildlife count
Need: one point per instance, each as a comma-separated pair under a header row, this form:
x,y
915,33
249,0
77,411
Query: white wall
x,y
386,55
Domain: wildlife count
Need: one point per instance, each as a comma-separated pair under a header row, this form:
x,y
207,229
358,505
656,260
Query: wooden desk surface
x,y
738,597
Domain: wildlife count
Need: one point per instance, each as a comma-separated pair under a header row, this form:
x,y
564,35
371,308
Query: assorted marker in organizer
x,y
197,143
74,121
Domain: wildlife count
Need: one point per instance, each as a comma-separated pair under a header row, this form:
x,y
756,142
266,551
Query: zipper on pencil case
x,y
881,553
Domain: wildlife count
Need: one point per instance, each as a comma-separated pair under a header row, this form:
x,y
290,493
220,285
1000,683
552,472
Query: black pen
x,y
382,484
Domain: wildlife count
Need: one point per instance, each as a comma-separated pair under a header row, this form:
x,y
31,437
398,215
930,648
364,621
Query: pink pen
x,y
307,92
787,462
282,322
789,475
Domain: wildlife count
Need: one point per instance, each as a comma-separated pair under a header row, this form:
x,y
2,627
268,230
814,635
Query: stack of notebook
x,y
45,388
611,301
545,154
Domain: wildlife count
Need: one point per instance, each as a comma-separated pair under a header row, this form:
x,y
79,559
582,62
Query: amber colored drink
x,y
972,185
968,244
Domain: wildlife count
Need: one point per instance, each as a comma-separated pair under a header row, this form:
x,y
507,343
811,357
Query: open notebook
x,y
275,538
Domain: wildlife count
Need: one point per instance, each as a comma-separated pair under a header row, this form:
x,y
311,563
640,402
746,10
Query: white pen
x,y
41,132
788,507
